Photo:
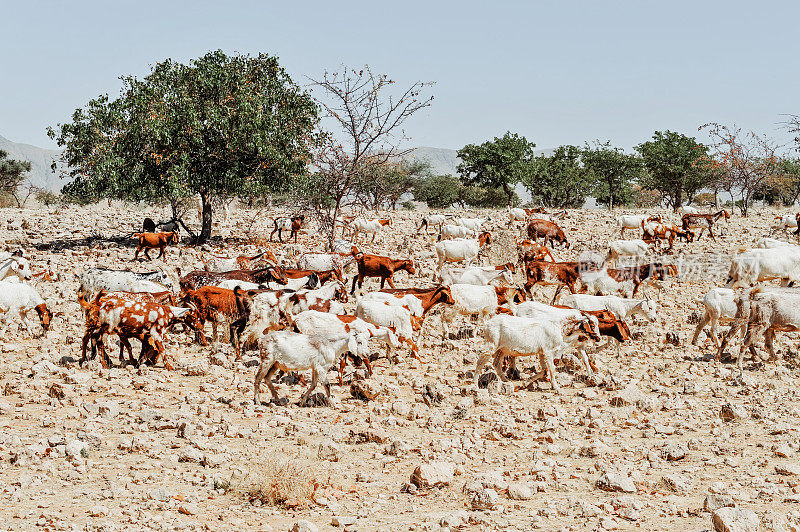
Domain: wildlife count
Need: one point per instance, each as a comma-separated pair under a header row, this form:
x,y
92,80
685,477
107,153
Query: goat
x,y
549,231
146,321
455,231
19,298
688,209
557,315
461,249
643,274
759,265
93,280
242,262
159,241
397,317
477,276
788,221
703,221
292,224
432,220
768,243
548,273
620,307
259,312
293,303
718,303
290,351
379,266
764,311
15,266
199,278
629,248
634,221
362,225
213,304
512,336
530,251
325,262
311,321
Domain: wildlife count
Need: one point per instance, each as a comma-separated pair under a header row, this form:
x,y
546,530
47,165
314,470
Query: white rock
x,y
735,520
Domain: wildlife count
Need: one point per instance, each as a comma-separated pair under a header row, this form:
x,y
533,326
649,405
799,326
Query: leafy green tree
x,y
783,186
498,163
558,180
384,185
677,165
12,173
612,172
438,191
219,126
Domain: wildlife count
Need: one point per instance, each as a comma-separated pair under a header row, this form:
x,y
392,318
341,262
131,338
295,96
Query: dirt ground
x,y
86,448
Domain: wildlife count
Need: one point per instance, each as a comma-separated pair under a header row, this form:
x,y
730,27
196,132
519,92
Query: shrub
x,y
280,482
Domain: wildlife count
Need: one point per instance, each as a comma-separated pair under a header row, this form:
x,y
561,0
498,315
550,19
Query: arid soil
x,y
86,448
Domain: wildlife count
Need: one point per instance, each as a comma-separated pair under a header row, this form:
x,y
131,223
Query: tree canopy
x,y
677,165
612,172
558,180
218,126
498,163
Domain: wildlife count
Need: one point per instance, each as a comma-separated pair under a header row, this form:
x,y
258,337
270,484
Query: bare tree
x,y
369,115
746,160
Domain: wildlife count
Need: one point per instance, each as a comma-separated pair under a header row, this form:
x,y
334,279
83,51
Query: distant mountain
x,y
40,159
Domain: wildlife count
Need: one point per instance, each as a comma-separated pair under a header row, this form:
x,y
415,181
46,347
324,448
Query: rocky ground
x,y
658,443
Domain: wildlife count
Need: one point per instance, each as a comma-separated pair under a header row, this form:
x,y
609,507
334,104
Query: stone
x,y
433,474
629,395
715,501
729,519
343,520
365,390
673,452
188,508
519,492
616,482
484,499
328,450
304,526
789,469
77,449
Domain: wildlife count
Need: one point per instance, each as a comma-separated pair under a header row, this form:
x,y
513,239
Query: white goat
x,y
289,351
15,266
718,303
265,315
93,280
788,221
385,314
432,220
362,225
461,249
769,243
412,303
629,248
559,316
19,299
323,262
294,303
515,214
759,265
688,209
455,231
476,275
620,307
230,284
633,221
472,223
515,337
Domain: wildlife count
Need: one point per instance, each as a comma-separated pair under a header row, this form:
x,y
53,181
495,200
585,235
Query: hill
x,y
40,159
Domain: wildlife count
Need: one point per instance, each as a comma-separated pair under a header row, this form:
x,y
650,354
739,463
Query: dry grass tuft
x,y
280,482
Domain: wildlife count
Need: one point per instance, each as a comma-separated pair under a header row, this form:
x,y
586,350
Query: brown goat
x,y
379,266
550,231
148,241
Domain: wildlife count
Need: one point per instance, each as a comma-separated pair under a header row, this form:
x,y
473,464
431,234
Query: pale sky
x,y
560,72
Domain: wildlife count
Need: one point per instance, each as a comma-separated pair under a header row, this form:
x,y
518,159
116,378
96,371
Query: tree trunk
x,y
678,201
509,193
205,232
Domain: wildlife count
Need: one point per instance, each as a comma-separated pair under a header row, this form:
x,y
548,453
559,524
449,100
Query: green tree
x,y
438,191
12,173
782,186
498,163
558,180
485,198
219,126
612,172
677,165
384,185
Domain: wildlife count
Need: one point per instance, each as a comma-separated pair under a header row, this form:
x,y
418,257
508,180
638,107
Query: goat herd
x,y
301,316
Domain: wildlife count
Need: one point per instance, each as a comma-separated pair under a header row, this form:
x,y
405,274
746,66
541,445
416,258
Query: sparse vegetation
x,y
281,482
